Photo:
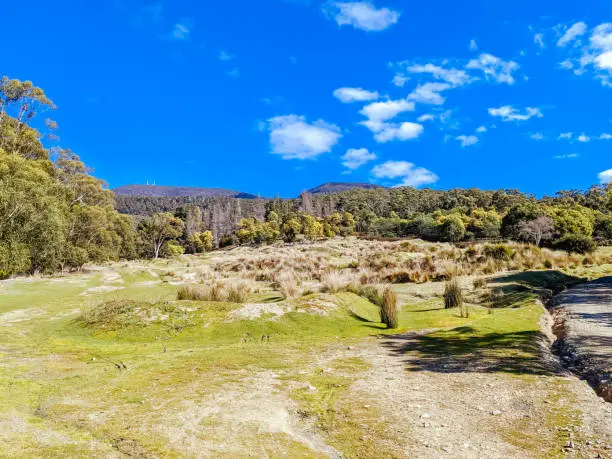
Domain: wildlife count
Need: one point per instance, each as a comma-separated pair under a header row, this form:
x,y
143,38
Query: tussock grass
x,y
453,295
389,309
233,292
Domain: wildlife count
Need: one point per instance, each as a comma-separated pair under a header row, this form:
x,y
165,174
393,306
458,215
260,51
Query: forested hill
x,y
168,191
222,214
338,187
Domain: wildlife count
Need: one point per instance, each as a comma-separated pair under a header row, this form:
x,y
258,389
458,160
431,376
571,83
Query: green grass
x,y
110,382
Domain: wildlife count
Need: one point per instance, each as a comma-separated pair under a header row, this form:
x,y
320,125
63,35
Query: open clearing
x,y
108,363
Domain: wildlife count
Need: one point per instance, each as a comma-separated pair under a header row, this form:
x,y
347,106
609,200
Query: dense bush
x,y
576,243
53,214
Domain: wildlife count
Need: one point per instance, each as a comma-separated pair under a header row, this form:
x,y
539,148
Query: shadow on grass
x,y
513,290
553,281
462,350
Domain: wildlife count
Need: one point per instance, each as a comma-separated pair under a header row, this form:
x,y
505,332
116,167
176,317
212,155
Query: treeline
x,y
570,218
54,215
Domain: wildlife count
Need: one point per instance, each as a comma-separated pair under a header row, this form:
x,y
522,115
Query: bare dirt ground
x,y
469,414
584,323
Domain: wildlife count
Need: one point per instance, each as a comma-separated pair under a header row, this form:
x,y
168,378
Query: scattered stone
x,y
425,416
569,444
496,412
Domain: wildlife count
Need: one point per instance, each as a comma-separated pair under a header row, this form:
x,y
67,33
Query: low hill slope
x,y
338,187
178,191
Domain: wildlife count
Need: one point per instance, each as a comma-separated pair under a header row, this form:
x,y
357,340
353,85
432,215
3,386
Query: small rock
x,y
446,449
570,444
312,388
495,412
367,406
425,416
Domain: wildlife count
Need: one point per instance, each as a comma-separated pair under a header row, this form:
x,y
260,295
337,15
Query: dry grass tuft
x,y
453,295
389,309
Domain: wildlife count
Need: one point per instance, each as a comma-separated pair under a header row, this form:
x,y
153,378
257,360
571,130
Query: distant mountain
x,y
178,191
338,187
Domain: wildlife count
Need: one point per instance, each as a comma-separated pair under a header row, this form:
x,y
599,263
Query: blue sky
x,y
278,96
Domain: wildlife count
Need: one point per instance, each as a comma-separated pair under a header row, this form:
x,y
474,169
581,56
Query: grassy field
x,y
110,363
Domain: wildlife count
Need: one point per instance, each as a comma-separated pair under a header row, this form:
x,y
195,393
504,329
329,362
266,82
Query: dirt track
x,y
583,322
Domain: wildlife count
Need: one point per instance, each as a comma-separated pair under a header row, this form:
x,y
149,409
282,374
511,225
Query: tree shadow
x,y
553,281
459,351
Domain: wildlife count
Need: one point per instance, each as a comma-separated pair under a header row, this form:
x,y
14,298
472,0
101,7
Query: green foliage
x,y
525,211
172,250
575,220
602,229
253,231
452,228
53,213
576,243
154,232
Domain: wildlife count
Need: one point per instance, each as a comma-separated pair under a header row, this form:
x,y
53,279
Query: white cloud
x,y
400,80
293,138
573,32
354,159
429,93
596,54
225,56
494,68
403,131
537,136
453,76
408,174
509,113
234,73
605,176
361,15
604,61
567,156
348,95
565,136
383,111
181,32
481,129
538,39
426,117
473,45
605,136
584,138
467,140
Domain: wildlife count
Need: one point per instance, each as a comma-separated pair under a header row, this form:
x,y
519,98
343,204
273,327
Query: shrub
x,y
453,295
548,264
576,243
499,252
452,229
388,310
172,250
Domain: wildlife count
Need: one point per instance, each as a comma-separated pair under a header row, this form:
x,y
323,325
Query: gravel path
x,y
583,322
